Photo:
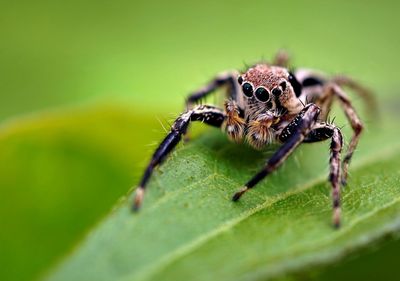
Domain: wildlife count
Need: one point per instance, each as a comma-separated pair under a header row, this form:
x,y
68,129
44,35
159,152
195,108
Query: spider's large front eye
x,y
247,89
262,94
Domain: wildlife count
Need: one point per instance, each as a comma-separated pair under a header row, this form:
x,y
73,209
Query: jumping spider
x,y
266,104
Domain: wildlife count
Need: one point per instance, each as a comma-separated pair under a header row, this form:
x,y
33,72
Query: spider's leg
x,y
314,84
359,89
281,58
321,132
334,90
207,114
225,79
325,103
292,135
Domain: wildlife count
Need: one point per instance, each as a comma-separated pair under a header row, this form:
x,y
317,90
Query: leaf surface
x,y
188,229
60,172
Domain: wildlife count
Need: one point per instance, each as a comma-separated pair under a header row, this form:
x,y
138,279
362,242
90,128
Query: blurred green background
x,y
84,86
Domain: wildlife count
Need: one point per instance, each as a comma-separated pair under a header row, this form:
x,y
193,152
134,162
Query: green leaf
x,y
61,171
189,229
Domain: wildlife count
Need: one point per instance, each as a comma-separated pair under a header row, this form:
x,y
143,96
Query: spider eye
x,y
283,85
247,89
276,92
240,79
295,84
262,94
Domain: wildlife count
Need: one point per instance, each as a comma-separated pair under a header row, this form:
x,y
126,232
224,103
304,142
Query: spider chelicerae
x,y
270,104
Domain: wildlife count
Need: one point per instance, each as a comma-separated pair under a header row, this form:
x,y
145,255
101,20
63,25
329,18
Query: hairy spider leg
x,y
224,79
334,90
328,90
281,59
207,114
360,90
334,174
321,132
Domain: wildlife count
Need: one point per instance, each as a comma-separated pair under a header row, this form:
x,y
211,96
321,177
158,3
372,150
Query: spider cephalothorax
x,y
268,94
269,87
268,103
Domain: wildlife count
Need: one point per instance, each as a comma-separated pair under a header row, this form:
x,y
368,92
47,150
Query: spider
x,y
270,104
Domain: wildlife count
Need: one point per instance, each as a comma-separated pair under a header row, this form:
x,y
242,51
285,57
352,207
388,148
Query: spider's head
x,y
271,88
